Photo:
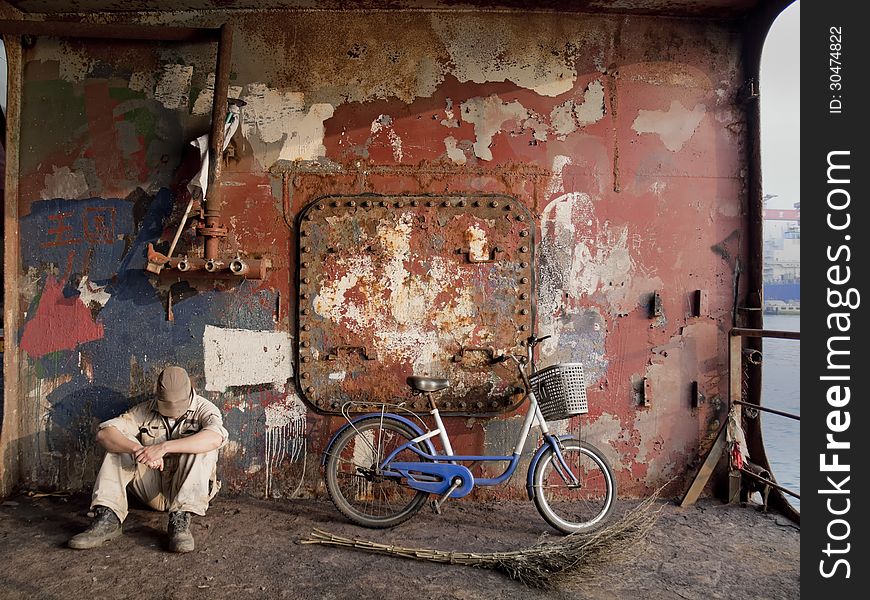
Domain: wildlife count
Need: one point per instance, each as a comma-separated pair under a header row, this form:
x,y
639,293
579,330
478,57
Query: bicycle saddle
x,y
428,384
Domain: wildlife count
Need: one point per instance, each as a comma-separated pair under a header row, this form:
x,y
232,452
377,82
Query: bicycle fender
x,y
404,420
532,465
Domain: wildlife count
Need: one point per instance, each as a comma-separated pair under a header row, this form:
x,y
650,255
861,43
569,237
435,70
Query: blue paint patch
x,y
88,236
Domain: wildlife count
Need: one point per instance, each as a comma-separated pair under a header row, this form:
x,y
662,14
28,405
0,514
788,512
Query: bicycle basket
x,y
560,390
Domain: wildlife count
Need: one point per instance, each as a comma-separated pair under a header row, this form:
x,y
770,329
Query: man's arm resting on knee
x,y
199,443
113,440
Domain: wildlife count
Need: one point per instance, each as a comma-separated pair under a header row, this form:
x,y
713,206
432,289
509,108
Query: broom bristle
x,y
547,564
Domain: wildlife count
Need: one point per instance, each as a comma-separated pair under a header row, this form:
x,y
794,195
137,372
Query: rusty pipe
x,y
218,121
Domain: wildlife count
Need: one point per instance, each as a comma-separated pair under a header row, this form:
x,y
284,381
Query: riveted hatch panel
x,y
396,286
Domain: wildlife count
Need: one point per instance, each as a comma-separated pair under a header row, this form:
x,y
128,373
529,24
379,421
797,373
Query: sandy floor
x,y
248,548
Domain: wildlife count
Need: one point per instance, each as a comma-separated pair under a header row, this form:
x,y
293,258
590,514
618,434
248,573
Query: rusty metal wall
x,y
622,136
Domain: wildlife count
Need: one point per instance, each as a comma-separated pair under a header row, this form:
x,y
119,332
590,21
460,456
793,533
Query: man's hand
x,y
157,465
151,454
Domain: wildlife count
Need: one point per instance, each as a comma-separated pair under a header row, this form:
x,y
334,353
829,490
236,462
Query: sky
x,y
779,87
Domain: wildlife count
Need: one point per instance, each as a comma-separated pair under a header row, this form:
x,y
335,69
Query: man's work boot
x,y
180,537
105,527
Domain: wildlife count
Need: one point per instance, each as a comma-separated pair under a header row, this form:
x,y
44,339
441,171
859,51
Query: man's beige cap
x,y
174,392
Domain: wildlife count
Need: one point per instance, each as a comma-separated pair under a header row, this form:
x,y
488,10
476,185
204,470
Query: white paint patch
x,y
173,86
454,153
92,295
488,115
385,123
65,183
236,357
569,116
202,104
478,248
275,116
73,65
338,376
285,435
483,49
674,126
450,120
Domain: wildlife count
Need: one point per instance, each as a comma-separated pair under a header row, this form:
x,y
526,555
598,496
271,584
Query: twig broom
x,y
545,565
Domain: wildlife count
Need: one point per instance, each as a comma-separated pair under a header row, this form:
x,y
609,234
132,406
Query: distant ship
x,y
782,274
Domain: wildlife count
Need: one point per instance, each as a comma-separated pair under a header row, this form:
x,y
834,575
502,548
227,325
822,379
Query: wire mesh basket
x,y
560,390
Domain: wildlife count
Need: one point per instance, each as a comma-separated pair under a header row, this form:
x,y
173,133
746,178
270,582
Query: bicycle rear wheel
x,y
573,508
358,491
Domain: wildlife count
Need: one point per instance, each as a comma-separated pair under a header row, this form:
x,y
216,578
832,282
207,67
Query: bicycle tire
x,y
569,509
368,499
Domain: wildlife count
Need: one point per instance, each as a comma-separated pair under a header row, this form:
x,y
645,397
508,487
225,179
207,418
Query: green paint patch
x,y
52,116
144,120
122,94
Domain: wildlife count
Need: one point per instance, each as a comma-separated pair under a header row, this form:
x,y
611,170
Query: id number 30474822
x,y
835,65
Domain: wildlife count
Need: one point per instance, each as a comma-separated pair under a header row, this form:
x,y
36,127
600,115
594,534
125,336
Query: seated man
x,y
165,450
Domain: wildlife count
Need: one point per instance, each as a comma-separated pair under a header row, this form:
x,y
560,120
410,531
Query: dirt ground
x,y
247,548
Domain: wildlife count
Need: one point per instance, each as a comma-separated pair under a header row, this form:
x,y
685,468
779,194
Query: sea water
x,y
781,389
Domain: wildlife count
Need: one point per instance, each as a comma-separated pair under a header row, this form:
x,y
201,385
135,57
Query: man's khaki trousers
x,y
182,485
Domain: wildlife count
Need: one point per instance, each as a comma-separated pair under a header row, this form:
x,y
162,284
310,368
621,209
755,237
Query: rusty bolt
x,y
351,204
524,265
447,203
367,203
479,405
414,203
306,359
524,327
524,233
309,217
430,203
306,328
382,203
309,389
306,280
305,311
334,404
477,203
524,280
462,203
446,405
524,249
336,203
400,204
305,233
306,249
524,296
520,218
524,311
494,204
306,344
462,405
306,375
320,206
304,296
508,206
495,403
304,265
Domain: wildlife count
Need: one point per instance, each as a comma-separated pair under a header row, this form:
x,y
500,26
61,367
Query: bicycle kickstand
x,y
436,504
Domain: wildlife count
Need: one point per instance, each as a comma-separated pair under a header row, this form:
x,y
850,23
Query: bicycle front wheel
x,y
574,507
355,485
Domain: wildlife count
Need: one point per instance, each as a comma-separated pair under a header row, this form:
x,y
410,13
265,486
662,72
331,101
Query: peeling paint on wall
x,y
285,435
236,357
173,86
65,183
488,115
674,126
482,50
454,152
273,116
569,116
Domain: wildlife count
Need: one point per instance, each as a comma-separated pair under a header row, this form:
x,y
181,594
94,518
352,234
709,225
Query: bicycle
x,y
381,467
